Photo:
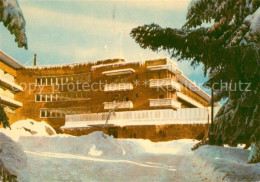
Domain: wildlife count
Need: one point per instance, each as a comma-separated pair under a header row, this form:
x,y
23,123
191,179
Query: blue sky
x,y
69,31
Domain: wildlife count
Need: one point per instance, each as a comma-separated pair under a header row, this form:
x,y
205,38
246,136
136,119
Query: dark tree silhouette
x,y
3,118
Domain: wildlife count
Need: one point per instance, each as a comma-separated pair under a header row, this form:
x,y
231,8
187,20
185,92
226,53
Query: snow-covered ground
x,y
99,157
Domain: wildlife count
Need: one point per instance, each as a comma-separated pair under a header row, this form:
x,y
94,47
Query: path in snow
x,y
94,158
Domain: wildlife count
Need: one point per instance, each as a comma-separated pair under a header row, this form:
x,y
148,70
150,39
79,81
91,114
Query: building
x,y
92,89
8,85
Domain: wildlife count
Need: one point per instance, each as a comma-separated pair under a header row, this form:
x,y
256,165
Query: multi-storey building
x,y
52,92
8,86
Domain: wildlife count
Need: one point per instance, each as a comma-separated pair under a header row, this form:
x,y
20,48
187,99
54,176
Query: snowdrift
x,y
28,127
13,158
225,164
99,144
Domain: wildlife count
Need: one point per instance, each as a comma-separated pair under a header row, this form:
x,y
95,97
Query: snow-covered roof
x,y
5,58
117,64
118,72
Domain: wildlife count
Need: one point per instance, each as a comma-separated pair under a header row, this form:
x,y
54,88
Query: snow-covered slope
x,y
225,164
99,157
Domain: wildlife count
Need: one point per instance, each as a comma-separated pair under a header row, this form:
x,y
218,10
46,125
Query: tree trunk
x,y
254,156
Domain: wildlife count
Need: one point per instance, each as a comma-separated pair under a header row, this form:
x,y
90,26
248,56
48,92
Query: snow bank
x,y
95,144
28,128
13,158
99,144
225,164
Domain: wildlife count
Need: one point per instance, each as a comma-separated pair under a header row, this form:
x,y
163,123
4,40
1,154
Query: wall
x,y
153,133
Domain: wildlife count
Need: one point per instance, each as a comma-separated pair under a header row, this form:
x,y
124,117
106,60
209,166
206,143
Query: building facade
x,y
8,85
50,93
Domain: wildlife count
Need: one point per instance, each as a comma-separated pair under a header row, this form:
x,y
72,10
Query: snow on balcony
x,y
144,117
165,82
118,87
166,102
10,101
9,82
120,105
171,67
118,72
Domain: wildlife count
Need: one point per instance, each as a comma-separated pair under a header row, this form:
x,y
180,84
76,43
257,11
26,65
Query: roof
x,y
5,58
187,82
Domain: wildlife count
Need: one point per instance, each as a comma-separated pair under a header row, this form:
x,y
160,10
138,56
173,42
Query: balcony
x,y
189,100
9,101
118,87
166,82
167,102
8,82
120,105
118,72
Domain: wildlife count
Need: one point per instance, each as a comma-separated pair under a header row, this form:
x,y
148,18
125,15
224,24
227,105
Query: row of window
x,y
58,80
63,96
61,112
120,79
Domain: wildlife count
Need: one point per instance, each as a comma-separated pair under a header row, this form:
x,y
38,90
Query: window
x,y
38,97
59,80
65,79
49,81
48,98
58,97
161,96
54,97
43,114
43,81
43,98
38,81
63,96
58,114
136,95
53,114
53,80
48,113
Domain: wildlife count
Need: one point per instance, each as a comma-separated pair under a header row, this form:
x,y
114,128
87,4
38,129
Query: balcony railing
x,y
145,117
166,82
10,101
120,105
167,102
118,87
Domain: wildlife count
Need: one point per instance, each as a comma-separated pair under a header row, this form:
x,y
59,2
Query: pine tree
x,y
3,118
12,17
229,51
